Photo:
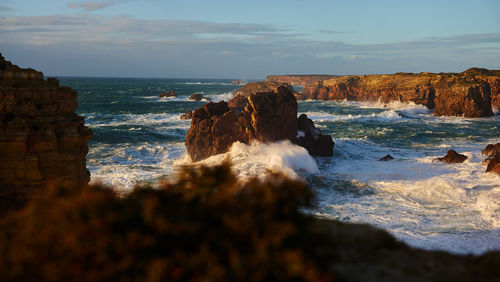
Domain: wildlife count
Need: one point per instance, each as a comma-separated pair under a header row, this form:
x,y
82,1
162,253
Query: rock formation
x,y
197,97
301,79
491,150
261,116
386,158
166,94
494,164
467,94
263,86
237,82
452,157
42,141
311,138
187,115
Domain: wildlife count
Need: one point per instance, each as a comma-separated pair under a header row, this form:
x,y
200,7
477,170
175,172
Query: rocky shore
x,y
471,93
299,79
42,141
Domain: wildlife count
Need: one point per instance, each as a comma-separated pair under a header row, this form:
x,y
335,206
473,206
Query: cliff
x,y
468,94
301,79
42,141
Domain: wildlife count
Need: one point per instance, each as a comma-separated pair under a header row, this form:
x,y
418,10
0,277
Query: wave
x,y
135,120
385,116
206,83
259,159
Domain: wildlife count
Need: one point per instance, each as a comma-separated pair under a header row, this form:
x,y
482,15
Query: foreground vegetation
x,y
206,226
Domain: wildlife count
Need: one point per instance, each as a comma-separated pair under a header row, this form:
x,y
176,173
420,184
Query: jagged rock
x,y
262,117
187,115
311,138
198,97
42,141
491,150
386,158
237,82
451,94
494,164
166,94
452,157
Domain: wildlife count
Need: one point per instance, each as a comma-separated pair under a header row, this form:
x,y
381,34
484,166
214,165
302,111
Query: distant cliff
x,y
42,141
299,79
470,94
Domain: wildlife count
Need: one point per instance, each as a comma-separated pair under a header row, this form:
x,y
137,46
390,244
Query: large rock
x,y
467,94
266,117
452,157
42,141
311,138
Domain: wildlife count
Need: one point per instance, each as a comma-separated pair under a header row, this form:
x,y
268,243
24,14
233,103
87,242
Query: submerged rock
x,y
452,157
198,97
166,94
311,138
386,158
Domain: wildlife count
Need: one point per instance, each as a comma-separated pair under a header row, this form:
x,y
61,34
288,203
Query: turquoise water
x,y
139,137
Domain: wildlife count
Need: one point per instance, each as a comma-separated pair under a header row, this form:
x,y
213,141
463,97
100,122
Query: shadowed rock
x,y
166,94
198,97
386,158
187,115
491,150
311,138
494,164
452,157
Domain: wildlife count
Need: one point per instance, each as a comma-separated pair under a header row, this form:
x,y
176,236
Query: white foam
x,y
385,116
258,159
135,120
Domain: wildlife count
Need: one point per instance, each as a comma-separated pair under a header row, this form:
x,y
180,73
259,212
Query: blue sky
x,y
248,39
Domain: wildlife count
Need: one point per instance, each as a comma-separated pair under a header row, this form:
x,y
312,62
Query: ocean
x,y
139,137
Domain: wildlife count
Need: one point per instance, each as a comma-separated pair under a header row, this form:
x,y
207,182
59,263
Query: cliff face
x,y
42,141
299,79
466,94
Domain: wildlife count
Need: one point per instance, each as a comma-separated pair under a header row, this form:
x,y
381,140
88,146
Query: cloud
x,y
97,45
5,9
89,6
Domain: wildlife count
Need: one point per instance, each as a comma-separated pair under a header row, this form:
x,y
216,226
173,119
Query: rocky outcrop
x,y
467,94
301,79
166,94
198,97
264,117
42,141
494,164
237,82
187,115
452,157
261,86
311,138
491,150
386,158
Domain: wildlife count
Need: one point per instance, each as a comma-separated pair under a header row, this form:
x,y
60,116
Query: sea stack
x,y
42,141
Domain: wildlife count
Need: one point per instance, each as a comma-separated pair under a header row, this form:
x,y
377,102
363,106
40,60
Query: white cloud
x,y
90,6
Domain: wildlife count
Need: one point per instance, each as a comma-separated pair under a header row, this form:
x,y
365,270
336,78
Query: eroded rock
x,y
494,164
166,94
452,157
311,138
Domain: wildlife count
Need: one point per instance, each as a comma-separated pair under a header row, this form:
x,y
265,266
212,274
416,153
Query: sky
x,y
248,39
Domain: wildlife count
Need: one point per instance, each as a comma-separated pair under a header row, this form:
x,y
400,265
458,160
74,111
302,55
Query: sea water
x,y
139,137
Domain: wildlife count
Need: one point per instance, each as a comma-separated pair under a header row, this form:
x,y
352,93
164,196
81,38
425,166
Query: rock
x,y
311,138
187,115
237,103
386,158
166,94
448,94
486,161
198,97
491,150
261,86
452,157
494,164
266,117
237,82
301,79
42,141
